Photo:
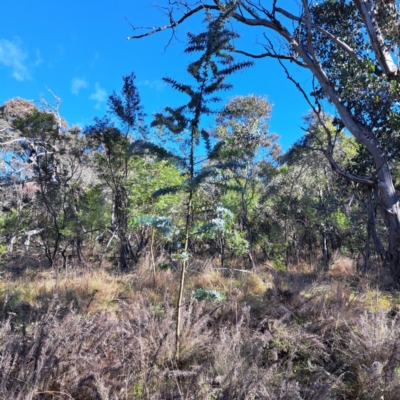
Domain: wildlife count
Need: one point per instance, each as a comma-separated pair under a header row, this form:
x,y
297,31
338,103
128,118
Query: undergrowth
x,y
94,334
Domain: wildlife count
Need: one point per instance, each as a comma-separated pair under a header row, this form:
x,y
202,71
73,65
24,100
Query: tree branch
x,y
176,23
367,181
365,7
337,41
271,55
19,182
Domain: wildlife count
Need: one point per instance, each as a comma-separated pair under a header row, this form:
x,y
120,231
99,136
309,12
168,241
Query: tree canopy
x,y
349,48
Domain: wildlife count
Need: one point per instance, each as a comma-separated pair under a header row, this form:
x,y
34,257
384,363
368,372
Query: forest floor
x,y
88,333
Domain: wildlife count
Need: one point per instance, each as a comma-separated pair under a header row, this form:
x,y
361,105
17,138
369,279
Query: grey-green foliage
x,y
243,126
311,210
209,294
161,224
219,225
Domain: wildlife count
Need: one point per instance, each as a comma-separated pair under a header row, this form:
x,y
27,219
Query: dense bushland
x,y
190,261
284,295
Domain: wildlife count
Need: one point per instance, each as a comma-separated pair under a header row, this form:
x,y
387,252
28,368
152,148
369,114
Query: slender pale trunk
x,y
189,212
183,271
325,250
153,264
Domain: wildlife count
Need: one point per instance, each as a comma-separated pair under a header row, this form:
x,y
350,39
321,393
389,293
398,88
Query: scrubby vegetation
x,y
185,261
99,334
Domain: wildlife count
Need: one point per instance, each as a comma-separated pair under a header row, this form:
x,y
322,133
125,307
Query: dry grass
x,y
84,291
94,334
342,268
209,278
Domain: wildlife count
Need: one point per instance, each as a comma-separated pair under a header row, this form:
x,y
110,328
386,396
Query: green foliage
x,y
161,224
146,176
163,266
110,146
53,158
278,256
183,256
370,96
220,225
208,295
237,242
242,195
341,220
10,222
38,126
207,141
209,73
3,254
93,209
167,190
243,124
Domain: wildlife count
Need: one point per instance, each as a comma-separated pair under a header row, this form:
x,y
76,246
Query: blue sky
x,y
78,49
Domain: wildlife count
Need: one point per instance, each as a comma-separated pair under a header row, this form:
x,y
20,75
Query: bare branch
x,y
32,142
175,23
22,139
19,182
368,181
336,40
256,22
271,55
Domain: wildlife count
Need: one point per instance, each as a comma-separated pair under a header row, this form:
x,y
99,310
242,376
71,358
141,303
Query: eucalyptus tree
x,y
350,50
209,73
46,159
16,166
319,209
242,125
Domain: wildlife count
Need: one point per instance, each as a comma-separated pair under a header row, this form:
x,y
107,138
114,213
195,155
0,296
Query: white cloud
x,y
100,95
94,60
156,84
12,56
78,84
39,59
